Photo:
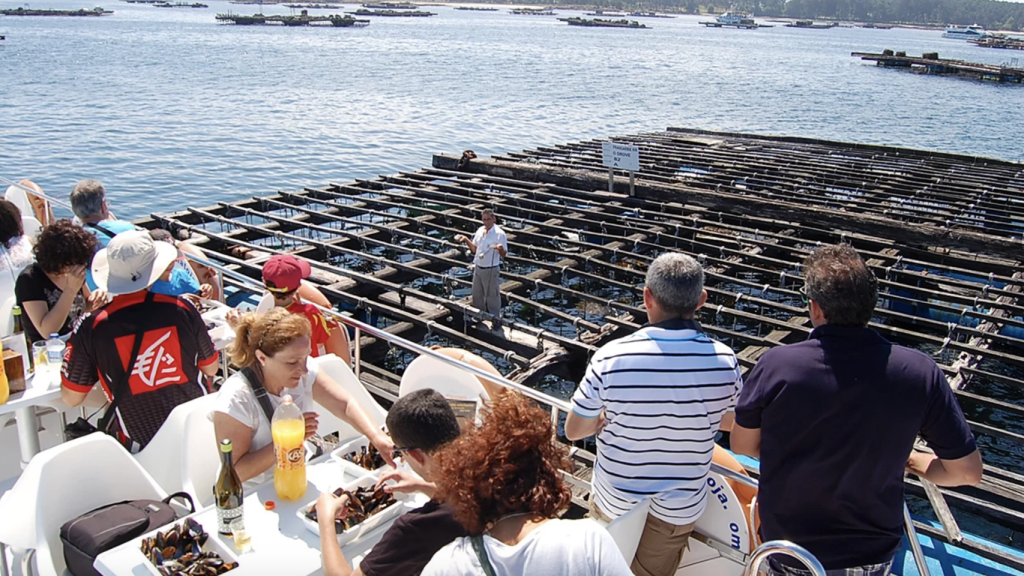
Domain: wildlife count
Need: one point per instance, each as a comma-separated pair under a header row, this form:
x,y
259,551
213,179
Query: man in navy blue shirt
x,y
834,420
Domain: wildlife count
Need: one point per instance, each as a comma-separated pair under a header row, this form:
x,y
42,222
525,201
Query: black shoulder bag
x,y
93,533
481,554
82,427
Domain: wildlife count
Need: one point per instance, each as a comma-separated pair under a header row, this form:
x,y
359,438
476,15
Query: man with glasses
x,y
834,420
420,423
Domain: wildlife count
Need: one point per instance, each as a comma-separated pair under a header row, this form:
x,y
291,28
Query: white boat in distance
x,y
964,32
735,20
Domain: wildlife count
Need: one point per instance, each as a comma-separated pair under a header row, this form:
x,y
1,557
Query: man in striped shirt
x,y
655,399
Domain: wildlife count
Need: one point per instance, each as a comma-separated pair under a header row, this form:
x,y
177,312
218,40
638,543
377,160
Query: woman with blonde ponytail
x,y
272,349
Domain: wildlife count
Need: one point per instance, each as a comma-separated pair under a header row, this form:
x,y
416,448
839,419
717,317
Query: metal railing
x,y
785,548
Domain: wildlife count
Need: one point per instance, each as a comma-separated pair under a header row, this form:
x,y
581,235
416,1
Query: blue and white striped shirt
x,y
664,390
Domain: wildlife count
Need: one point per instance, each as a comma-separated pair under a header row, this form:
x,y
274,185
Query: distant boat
x,y
974,32
734,20
476,9
606,14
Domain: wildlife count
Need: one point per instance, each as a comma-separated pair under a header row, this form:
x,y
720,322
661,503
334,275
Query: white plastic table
x,y
281,544
40,390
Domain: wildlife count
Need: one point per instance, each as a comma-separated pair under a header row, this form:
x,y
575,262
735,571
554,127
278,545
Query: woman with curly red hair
x,y
504,483
50,291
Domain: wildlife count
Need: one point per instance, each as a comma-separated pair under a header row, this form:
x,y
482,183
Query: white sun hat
x,y
131,262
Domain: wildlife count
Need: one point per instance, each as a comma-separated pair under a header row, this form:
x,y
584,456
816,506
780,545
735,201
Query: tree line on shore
x,y
988,13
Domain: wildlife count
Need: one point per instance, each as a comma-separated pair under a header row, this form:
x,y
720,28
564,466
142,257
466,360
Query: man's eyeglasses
x,y
398,452
804,296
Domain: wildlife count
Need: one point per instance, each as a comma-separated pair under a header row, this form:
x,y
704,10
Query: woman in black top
x,y
50,291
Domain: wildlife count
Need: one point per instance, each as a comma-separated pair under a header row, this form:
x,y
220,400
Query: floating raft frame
x,y
932,64
943,234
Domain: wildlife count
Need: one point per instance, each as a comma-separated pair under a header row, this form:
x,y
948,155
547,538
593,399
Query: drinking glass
x,y
243,542
39,356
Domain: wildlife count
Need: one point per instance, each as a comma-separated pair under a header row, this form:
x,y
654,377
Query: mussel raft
x,y
943,234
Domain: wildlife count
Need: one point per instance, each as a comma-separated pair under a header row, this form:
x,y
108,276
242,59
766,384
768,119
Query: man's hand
x,y
232,317
385,446
461,238
206,291
405,483
329,507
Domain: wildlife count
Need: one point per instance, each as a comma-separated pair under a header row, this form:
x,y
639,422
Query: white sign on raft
x,y
620,156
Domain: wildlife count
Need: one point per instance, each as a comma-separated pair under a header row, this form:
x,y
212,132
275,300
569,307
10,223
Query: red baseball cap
x,y
284,272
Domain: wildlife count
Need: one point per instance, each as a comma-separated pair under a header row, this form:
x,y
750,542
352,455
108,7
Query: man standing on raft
x,y
490,245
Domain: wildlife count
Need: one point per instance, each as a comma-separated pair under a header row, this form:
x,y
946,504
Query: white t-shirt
x,y
563,547
486,256
235,398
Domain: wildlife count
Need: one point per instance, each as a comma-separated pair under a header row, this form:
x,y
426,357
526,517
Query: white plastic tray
x,y
384,516
213,544
351,470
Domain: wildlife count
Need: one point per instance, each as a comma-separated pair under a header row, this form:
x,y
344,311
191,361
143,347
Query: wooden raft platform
x,y
932,64
941,232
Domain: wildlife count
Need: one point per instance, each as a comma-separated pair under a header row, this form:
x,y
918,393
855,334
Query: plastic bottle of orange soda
x,y
289,430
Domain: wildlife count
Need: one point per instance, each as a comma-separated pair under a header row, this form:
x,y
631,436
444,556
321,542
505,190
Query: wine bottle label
x,y
225,516
290,459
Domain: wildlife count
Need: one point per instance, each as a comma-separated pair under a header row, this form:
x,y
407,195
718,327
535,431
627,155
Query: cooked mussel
x,y
362,504
178,551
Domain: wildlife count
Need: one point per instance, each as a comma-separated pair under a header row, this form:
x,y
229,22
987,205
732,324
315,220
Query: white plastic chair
x,y
19,198
6,318
31,227
452,382
626,529
41,502
343,375
177,443
266,303
200,453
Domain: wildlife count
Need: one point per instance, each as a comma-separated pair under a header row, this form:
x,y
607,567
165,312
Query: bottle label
x,y
290,459
225,516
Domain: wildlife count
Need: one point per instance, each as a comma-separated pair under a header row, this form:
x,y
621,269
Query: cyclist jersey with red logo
x,y
174,346
321,326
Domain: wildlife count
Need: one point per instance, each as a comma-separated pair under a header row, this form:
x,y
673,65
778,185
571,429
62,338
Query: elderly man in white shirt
x,y
490,245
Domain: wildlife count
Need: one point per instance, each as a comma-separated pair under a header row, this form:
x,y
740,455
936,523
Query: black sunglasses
x,y
396,453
